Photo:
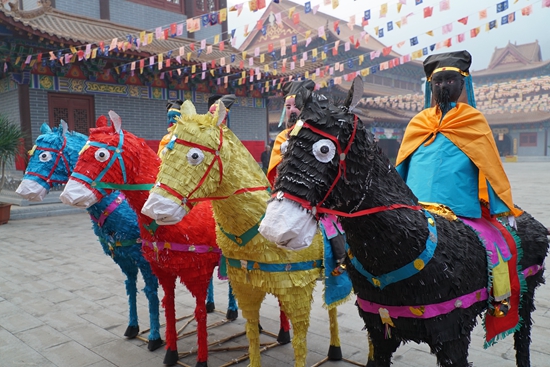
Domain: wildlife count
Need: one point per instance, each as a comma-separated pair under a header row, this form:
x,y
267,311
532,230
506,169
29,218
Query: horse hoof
x,y
131,332
232,315
154,344
171,357
334,353
283,337
210,307
260,328
202,364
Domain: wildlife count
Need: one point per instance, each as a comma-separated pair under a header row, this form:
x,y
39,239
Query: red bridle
x,y
317,210
187,201
59,156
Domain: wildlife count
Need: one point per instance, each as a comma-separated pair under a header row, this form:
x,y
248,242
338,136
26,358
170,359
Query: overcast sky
x,y
524,29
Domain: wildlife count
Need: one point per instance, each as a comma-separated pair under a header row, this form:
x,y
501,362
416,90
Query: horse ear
x,y
188,108
222,112
45,129
355,93
117,122
64,126
101,121
302,97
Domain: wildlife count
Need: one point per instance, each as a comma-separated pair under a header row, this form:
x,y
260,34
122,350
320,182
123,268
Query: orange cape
x,y
468,129
276,156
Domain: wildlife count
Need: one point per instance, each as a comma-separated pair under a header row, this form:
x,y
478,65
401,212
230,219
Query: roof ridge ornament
x,y
45,6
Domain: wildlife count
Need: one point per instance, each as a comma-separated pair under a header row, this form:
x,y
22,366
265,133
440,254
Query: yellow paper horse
x,y
206,161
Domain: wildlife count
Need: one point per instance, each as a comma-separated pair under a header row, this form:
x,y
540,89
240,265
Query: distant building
x,y
513,92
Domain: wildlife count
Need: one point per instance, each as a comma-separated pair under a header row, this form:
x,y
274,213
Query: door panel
x,y
76,110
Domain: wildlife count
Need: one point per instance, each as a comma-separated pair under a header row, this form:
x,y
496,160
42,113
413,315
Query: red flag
x,y
334,51
352,39
296,18
463,20
365,22
447,42
173,28
39,58
294,48
213,64
294,58
166,33
283,69
357,44
192,47
241,64
141,63
428,11
546,3
336,23
261,4
259,24
270,47
527,10
222,45
461,37
168,62
386,50
474,32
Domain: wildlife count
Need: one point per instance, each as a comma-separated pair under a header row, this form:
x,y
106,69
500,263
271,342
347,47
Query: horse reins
x,y
316,210
187,201
59,156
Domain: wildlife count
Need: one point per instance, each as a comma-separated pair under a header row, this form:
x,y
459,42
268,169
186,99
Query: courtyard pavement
x,y
63,303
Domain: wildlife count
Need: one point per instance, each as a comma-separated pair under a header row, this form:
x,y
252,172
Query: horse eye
x,y
284,147
45,156
195,156
102,154
324,150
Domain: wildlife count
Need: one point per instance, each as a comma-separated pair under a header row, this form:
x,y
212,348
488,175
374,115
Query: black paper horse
x,y
333,165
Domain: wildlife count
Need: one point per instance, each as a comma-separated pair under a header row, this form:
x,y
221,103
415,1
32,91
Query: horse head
x,y
51,161
331,163
192,167
112,159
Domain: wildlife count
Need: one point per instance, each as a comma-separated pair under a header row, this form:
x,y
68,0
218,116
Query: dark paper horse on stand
x,y
418,276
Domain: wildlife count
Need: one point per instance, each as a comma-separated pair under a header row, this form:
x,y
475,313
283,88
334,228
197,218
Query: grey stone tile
x,y
16,322
71,354
122,354
42,337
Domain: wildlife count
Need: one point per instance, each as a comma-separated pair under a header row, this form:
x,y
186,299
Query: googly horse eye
x,y
195,156
102,154
324,150
45,157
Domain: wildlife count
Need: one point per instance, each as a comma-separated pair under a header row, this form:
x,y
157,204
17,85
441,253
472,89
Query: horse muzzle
x,y
31,190
78,195
163,210
288,225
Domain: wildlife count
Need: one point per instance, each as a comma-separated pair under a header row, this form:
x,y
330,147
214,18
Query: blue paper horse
x,y
51,162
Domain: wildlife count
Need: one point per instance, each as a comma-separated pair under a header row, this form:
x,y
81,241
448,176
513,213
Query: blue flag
x,y
367,14
390,26
502,6
381,33
414,41
307,7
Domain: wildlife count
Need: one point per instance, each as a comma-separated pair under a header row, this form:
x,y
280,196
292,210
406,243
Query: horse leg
x,y
232,308
335,350
199,288
453,353
210,306
250,300
296,304
168,283
130,270
380,349
522,337
151,292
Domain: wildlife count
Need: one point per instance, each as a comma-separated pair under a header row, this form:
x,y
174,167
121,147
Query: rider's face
x,y
447,86
291,111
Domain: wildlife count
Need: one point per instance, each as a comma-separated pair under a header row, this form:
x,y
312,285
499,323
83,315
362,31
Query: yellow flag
x,y
291,11
398,23
335,4
262,58
323,56
94,53
275,72
266,68
212,72
430,33
150,38
361,59
365,72
193,68
376,29
306,74
399,5
243,74
244,55
188,56
308,33
383,10
161,58
216,39
142,36
314,52
313,76
73,50
223,15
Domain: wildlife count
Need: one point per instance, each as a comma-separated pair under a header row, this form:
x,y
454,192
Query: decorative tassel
x,y
428,95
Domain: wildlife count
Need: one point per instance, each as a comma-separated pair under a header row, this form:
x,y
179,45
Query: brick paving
x,y
63,303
